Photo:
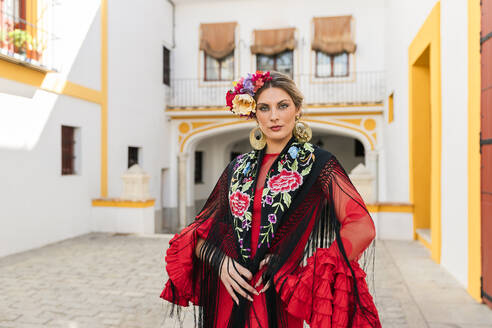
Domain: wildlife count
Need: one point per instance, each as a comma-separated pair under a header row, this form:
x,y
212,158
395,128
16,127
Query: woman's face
x,y
275,113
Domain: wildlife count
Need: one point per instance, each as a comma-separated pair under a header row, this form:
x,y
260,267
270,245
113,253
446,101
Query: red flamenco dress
x,y
323,301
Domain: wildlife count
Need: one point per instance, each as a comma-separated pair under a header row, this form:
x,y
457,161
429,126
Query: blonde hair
x,y
284,82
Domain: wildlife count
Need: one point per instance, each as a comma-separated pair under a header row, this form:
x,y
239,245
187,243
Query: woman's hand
x,y
231,274
263,262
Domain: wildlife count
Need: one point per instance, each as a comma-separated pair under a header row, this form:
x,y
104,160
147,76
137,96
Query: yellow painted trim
x,y
424,242
51,82
428,38
123,203
389,207
369,139
228,116
197,131
185,139
104,103
474,160
391,109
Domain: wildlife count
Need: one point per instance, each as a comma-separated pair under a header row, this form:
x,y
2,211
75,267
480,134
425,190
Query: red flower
x,y
229,97
239,203
285,181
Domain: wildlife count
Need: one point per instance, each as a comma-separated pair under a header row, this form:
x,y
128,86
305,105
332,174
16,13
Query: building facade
x,y
391,88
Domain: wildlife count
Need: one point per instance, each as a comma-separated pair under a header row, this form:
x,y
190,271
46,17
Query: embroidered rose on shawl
x,y
285,181
239,203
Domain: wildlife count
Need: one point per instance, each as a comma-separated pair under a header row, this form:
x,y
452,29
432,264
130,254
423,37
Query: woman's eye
x,y
284,105
263,108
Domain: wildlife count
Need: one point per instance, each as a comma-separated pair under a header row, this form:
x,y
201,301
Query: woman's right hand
x,y
231,274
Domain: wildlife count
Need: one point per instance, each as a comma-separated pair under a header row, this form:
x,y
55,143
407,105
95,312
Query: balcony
x,y
25,36
359,88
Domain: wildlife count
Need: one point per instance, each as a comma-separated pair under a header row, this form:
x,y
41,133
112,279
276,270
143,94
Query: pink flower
x,y
285,181
239,203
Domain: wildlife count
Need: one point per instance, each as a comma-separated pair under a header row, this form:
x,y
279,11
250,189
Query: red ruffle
x,y
321,292
179,264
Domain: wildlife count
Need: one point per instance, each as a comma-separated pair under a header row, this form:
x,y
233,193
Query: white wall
x,y
39,205
136,95
454,190
400,31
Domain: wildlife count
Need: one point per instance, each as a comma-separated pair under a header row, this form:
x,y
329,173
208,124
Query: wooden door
x,y
486,149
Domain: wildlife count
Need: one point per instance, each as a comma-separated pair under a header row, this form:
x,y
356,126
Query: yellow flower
x,y
243,104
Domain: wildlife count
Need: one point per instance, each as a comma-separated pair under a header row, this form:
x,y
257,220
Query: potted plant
x,y
37,47
21,40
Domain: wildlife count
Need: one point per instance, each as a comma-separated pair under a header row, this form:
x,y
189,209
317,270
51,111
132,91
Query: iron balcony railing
x,y
358,88
26,33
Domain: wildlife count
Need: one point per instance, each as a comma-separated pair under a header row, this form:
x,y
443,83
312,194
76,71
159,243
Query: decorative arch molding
x,y
363,129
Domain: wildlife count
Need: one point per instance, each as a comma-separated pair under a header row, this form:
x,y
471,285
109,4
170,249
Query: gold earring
x,y
302,131
258,142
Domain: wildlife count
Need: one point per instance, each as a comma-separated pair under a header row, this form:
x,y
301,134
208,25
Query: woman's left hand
x,y
262,264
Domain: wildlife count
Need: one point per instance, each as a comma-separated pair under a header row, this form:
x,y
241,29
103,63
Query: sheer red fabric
x,y
319,292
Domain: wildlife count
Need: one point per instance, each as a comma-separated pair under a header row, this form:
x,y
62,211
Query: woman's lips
x,y
276,127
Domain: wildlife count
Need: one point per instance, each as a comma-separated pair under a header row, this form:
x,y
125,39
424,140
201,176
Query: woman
x,y
284,215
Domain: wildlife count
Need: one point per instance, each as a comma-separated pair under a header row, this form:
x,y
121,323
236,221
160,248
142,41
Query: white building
x,y
120,83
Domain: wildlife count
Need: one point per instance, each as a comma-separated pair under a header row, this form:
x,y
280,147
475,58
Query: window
x,y
219,69
133,156
359,148
332,65
282,62
166,65
199,167
68,150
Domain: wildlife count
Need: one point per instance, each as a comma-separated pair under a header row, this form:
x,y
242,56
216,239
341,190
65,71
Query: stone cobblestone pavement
x,y
104,280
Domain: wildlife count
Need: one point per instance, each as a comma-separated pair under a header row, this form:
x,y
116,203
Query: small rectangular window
x,y
332,65
68,150
199,167
133,156
219,69
166,64
283,62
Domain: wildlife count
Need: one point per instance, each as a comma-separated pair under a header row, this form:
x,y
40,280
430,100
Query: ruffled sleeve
x,y
180,254
321,292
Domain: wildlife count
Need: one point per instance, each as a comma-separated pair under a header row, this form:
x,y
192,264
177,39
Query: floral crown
x,y
240,99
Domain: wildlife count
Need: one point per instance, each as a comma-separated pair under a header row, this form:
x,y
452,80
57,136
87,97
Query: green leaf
x,y
247,215
308,146
265,191
287,199
279,166
306,170
247,185
294,165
